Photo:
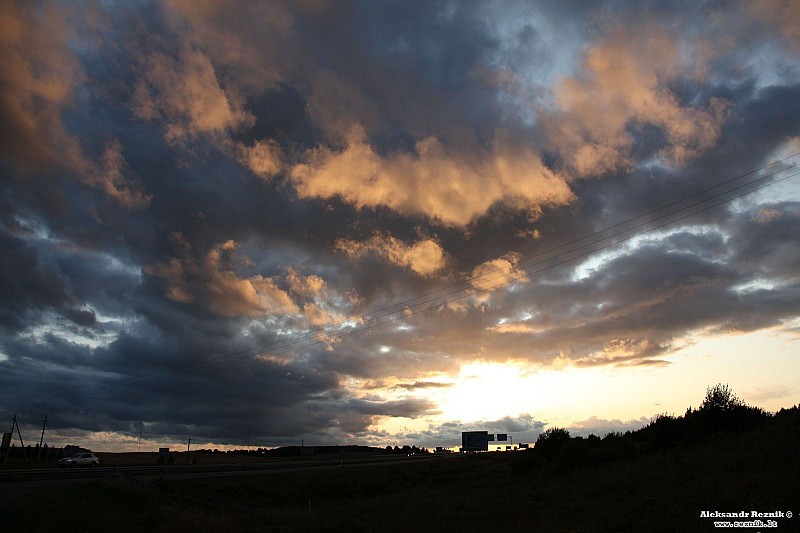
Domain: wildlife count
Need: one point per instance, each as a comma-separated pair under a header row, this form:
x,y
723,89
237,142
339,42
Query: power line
x,y
398,306
289,347
520,271
464,284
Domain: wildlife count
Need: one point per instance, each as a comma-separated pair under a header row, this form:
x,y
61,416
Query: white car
x,y
81,459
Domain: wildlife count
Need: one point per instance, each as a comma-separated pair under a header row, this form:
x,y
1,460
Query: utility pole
x,y
24,453
188,461
41,440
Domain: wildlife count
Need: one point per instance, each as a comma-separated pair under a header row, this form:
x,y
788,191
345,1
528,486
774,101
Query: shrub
x,y
720,397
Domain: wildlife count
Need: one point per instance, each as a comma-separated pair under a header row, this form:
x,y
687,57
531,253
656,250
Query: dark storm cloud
x,y
31,284
400,408
630,308
423,385
186,184
131,378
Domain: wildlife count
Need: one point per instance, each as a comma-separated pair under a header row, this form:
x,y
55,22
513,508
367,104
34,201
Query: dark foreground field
x,y
661,490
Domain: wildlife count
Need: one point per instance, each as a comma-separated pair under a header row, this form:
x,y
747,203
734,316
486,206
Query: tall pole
x,y
22,444
41,440
187,451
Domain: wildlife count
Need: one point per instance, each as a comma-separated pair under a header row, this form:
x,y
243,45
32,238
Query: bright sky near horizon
x,y
389,222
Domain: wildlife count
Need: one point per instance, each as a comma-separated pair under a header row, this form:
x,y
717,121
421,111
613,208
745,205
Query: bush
x,y
551,442
720,397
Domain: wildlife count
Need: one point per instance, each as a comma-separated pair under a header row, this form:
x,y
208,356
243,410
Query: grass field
x,y
181,458
663,491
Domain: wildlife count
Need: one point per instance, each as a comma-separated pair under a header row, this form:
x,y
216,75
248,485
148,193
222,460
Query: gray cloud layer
x,y
185,184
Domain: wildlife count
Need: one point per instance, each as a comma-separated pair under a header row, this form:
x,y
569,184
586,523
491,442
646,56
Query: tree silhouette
x,y
721,416
722,410
552,440
721,397
553,435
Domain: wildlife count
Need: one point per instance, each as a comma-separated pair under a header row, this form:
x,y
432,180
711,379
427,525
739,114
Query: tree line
x,y
720,414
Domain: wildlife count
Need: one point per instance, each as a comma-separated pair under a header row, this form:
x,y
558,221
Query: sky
x,y
384,223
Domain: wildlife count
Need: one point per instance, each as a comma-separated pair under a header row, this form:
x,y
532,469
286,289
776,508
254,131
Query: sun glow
x,y
485,391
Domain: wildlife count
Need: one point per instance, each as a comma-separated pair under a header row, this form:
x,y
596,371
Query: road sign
x,y
475,441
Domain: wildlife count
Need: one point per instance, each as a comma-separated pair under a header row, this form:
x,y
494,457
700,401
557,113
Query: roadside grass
x,y
663,491
92,506
18,462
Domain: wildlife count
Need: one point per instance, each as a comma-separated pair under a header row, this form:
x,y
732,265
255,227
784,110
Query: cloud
x,y
602,427
625,81
213,282
498,272
631,351
186,186
39,74
512,328
264,158
111,178
522,428
433,181
312,286
31,284
406,408
254,54
319,308
423,385
43,80
184,91
424,257
524,423
783,14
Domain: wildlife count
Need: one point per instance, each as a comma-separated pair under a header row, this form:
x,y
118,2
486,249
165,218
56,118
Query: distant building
x,y
71,449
